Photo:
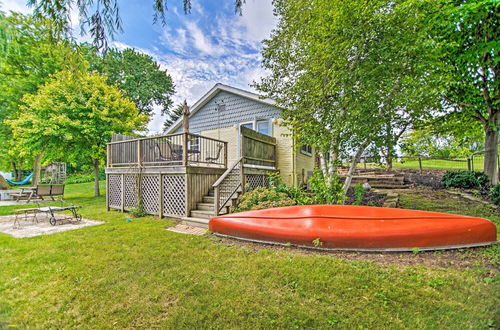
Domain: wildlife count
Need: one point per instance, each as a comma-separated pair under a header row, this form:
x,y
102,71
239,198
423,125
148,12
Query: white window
x,y
306,150
263,126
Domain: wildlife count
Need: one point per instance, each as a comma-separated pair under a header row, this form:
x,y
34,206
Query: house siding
x,y
229,134
284,152
237,110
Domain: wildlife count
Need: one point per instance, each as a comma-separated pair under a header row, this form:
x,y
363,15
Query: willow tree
x,y
73,116
347,73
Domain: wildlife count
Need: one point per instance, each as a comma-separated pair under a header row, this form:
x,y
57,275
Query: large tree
x,y
137,74
469,33
348,74
30,53
73,115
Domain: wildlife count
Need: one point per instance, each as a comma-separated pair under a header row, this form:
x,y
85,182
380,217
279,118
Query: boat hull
x,y
365,228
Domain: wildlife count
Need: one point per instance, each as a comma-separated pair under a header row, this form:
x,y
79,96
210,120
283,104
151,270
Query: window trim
x,y
305,152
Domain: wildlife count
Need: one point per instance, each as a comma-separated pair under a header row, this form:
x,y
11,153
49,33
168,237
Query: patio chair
x,y
214,160
175,154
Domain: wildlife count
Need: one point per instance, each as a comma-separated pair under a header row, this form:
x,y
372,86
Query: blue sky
x,y
209,45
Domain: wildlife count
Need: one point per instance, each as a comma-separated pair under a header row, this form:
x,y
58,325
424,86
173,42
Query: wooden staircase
x,y
377,179
205,210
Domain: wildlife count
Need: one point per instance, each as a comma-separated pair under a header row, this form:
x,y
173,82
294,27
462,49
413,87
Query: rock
x,y
367,186
3,184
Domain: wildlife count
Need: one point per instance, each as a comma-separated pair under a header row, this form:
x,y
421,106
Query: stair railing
x,y
225,188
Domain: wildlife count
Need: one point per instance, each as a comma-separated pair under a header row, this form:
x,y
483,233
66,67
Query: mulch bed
x,y
370,198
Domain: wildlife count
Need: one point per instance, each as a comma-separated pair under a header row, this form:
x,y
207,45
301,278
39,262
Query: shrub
x,y
262,198
326,191
82,178
359,190
495,194
465,179
295,193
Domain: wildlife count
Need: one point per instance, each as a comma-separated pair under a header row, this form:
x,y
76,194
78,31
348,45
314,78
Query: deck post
x,y
108,155
225,154
107,191
242,174
184,149
160,199
122,204
216,200
139,152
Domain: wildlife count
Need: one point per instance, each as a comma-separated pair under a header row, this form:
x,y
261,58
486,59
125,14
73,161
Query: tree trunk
x,y
388,158
352,167
97,193
491,154
17,174
37,169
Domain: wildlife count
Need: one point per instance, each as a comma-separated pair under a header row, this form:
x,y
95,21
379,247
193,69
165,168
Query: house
x,y
229,144
224,110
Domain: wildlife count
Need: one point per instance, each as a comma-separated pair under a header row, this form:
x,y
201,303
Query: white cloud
x,y
15,5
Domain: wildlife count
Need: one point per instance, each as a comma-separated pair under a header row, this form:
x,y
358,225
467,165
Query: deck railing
x,y
182,149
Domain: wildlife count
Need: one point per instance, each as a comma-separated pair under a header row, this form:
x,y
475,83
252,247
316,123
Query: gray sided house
x,y
235,138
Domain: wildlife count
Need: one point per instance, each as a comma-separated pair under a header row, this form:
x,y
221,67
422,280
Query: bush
x,y
295,193
83,177
262,198
465,179
495,194
324,191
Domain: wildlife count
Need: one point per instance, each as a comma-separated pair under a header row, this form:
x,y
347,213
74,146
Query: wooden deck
x,y
173,174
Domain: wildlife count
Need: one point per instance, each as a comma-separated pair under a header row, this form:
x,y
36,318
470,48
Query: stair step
x,y
195,222
205,206
391,186
208,199
202,214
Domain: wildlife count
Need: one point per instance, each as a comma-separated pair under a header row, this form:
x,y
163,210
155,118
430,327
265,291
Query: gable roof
x,y
214,91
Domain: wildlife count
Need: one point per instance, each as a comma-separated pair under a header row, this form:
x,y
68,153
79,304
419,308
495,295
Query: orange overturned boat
x,y
358,228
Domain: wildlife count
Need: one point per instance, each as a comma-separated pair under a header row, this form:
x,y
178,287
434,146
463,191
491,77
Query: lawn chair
x,y
175,154
214,160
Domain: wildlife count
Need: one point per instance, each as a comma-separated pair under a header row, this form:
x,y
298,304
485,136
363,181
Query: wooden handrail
x,y
223,176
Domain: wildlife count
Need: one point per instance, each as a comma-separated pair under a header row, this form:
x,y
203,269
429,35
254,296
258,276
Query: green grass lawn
x,y
136,274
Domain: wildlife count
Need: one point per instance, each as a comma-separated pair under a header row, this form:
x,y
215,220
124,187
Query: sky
x,y
211,44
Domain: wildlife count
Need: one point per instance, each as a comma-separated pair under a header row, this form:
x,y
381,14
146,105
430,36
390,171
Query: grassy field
x,y
136,274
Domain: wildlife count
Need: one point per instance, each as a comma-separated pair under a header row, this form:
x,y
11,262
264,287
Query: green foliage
x,y
139,211
495,194
138,75
173,115
465,179
349,73
326,191
467,33
263,198
426,141
295,193
73,116
359,191
31,54
82,178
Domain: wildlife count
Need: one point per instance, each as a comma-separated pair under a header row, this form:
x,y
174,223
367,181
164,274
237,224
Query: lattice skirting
x,y
255,181
169,199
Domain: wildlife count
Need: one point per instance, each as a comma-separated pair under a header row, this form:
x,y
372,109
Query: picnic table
x,y
26,192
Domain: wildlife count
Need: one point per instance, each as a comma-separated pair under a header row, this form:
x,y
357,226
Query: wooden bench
x,y
41,191
49,190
